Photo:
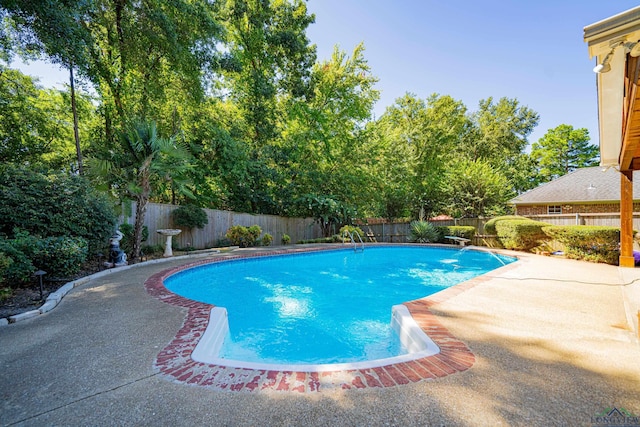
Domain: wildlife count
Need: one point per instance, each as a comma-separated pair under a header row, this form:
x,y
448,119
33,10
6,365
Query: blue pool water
x,y
324,307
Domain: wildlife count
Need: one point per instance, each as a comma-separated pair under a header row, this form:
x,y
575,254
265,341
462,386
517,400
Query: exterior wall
x,y
574,208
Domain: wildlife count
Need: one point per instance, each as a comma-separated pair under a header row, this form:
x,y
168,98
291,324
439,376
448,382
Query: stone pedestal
x,y
169,232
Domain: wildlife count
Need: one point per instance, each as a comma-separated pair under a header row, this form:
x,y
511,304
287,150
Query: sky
x,y
530,50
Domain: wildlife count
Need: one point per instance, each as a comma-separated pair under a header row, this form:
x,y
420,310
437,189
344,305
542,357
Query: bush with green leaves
x,y
19,269
520,235
286,239
190,216
54,205
60,257
331,239
464,231
590,243
267,239
423,232
352,229
151,250
5,263
490,226
242,236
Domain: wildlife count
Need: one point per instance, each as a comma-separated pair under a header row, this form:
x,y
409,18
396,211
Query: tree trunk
x,y
141,210
75,119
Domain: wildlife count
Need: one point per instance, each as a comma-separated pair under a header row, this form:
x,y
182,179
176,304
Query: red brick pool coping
x,y
175,362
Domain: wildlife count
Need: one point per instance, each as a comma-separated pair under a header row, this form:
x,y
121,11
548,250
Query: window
x,y
554,209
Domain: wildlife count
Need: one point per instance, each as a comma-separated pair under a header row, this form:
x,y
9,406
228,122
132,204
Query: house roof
x,y
586,185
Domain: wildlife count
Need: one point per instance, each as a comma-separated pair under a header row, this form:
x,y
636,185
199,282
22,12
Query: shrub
x,y
242,236
423,232
190,216
591,243
54,205
286,239
353,230
5,263
267,239
150,250
464,231
332,239
60,257
490,226
254,231
20,269
520,235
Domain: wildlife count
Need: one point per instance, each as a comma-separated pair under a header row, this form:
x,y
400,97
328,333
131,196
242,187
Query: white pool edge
x,y
411,336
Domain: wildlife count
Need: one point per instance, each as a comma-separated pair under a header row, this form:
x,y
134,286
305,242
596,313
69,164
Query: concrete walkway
x,y
550,337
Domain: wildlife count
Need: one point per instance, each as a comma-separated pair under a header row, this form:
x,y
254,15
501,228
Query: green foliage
x,y
126,244
464,231
326,210
286,239
135,167
490,226
331,239
474,188
267,239
353,230
53,205
423,232
19,269
152,250
591,243
5,263
242,236
563,149
60,257
520,235
190,216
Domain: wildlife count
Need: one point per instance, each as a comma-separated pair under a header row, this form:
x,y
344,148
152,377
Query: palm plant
x,y
423,232
141,160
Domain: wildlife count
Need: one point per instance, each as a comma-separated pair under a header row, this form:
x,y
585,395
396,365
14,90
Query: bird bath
x,y
169,232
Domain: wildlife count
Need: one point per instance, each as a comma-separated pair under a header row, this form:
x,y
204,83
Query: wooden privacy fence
x,y
399,232
159,216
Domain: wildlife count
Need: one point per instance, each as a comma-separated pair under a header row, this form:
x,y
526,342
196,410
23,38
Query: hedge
x,y
520,235
490,226
590,243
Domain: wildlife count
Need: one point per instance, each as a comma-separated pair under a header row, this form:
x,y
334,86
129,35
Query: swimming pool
x,y
332,307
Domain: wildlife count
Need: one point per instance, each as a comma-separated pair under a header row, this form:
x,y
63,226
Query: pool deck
x,y
544,341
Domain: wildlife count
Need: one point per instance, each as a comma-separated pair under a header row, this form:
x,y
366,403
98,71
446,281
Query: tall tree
x,y
134,169
563,149
474,188
429,133
273,60
36,124
54,32
501,131
324,139
274,57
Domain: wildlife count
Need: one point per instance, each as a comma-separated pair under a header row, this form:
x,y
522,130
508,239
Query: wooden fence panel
x,y
159,216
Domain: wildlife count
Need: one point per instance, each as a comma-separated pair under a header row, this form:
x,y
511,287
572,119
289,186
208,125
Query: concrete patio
x,y
553,345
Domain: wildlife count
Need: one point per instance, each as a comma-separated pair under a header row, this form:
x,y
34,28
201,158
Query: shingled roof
x,y
586,185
